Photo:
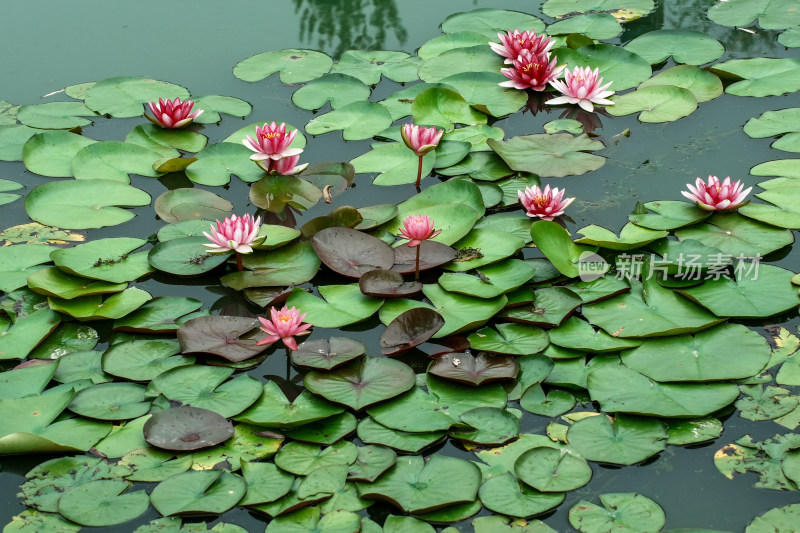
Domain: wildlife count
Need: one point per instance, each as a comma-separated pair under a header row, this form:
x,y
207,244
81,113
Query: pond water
x,y
196,45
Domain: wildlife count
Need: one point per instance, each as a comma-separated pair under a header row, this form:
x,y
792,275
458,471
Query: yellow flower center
x,y
541,201
270,135
285,318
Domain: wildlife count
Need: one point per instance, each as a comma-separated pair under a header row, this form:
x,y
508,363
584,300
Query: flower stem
x,y
419,172
416,267
239,262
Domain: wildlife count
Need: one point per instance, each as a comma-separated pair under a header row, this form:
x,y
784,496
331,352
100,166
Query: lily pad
x,y
163,314
450,41
184,257
555,155
83,204
166,141
153,465
273,409
395,163
669,215
216,163
123,97
368,65
342,305
328,431
387,284
623,440
685,46
189,204
491,280
551,470
622,512
198,492
657,103
265,483
372,432
624,10
109,260
102,503
599,26
619,389
351,252
296,263
302,459
489,426
442,107
339,89
415,411
113,160
111,401
275,193
513,339
417,486
474,370
505,494
143,359
410,328
431,255
771,14
760,76
295,66
703,85
55,115
460,60
362,383
230,337
617,65
187,428
488,22
51,153
357,120
577,334
327,354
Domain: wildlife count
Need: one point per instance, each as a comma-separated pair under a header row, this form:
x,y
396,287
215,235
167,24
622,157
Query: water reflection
x,y
349,24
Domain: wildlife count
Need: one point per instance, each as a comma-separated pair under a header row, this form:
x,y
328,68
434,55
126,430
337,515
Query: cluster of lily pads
x,y
647,351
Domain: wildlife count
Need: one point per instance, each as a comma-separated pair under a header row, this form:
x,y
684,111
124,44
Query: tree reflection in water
x,y
349,24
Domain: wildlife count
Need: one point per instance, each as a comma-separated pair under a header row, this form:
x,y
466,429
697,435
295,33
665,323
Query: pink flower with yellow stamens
x,y
546,204
285,324
513,43
531,71
172,113
272,142
716,196
418,228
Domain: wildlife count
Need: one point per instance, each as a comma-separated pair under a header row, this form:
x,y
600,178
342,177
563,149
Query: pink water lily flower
x,y
272,142
515,42
531,71
172,113
286,166
418,228
285,324
582,86
545,204
234,234
421,140
716,196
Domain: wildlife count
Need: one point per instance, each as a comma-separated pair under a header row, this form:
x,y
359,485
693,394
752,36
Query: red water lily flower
x,y
172,113
716,196
285,324
546,204
272,142
582,86
512,43
531,71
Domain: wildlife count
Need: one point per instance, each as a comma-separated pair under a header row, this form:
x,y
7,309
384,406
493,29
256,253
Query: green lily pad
x,y
295,66
202,386
493,246
556,244
450,41
756,292
368,65
216,163
342,305
599,26
459,60
489,426
577,334
728,351
81,365
31,520
505,494
625,10
55,115
273,409
102,503
683,432
328,431
186,429
555,155
625,69
265,483
623,440
163,314
143,359
111,401
339,89
760,76
491,280
198,492
20,261
113,160
514,339
362,383
184,257
94,307
109,260
551,404
123,97
212,105
275,193
308,521
765,403
12,138
669,215
779,519
622,512
189,204
302,459
166,141
488,22
288,265
771,14
630,237
442,107
790,38
154,465
50,153
415,411
550,470
703,85
657,103
21,337
685,46
83,204
550,307
417,486
357,120
394,162
52,281
502,524
372,432
619,389
371,463
737,236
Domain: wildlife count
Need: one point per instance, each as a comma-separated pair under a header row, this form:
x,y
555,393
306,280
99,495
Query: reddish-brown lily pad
x,y
327,354
410,328
431,255
472,370
350,252
387,284
230,337
186,429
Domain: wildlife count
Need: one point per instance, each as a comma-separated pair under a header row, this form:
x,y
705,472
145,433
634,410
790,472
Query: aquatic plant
x,y
714,195
172,113
543,203
286,323
421,141
582,86
234,234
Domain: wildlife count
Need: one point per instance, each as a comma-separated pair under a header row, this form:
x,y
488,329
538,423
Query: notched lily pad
x,y
226,336
410,328
327,354
187,428
387,284
351,252
471,370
